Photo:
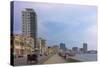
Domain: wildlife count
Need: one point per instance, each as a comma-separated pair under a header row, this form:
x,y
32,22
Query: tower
x,y
84,47
29,24
62,46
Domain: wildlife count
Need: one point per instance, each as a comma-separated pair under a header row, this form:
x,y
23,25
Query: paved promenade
x,y
55,59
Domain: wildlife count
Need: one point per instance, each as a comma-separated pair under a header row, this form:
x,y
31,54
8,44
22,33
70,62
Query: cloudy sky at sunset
x,y
67,23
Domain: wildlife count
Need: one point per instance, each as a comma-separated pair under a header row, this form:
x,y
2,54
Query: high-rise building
x,y
63,46
75,49
29,24
84,47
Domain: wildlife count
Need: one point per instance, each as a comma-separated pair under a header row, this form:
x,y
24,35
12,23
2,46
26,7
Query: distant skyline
x,y
61,23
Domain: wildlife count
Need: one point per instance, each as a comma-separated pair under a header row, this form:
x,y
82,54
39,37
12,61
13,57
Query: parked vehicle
x,y
66,54
32,58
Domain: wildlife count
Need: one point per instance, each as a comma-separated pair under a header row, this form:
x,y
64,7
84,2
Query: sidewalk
x,y
55,59
42,59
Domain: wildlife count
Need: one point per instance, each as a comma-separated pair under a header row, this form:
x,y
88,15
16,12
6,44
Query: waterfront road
x,y
23,60
55,59
85,57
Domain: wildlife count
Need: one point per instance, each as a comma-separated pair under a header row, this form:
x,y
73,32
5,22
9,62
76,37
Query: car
x,y
32,58
20,56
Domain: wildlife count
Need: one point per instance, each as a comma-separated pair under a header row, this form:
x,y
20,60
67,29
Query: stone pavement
x,y
42,59
55,59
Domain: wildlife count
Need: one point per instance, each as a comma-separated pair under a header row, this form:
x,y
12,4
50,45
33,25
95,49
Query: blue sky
x,y
70,24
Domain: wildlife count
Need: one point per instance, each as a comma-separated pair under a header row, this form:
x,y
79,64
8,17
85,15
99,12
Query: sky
x,y
61,23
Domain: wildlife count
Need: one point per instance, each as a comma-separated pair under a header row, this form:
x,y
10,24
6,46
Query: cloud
x,y
62,23
91,36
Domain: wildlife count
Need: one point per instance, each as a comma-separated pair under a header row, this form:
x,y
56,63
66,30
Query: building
x,y
63,46
29,24
55,48
21,48
85,47
80,50
50,50
92,52
75,49
42,46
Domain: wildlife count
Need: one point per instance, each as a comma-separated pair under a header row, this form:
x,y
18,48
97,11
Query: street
x,y
42,60
23,60
55,59
20,61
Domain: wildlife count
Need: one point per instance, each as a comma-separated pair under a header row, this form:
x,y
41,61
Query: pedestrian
x,y
67,56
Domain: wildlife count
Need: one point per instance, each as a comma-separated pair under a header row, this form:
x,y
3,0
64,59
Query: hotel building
x,y
29,24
